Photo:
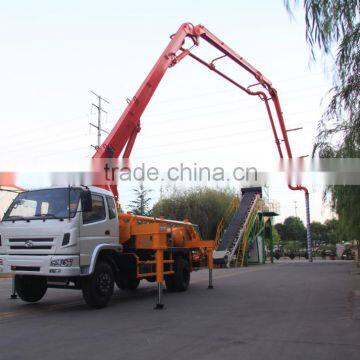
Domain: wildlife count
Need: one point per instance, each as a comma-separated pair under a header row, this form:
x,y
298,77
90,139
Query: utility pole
x,y
98,126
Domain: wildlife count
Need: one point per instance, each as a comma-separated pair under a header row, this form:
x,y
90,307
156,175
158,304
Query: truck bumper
x,y
47,265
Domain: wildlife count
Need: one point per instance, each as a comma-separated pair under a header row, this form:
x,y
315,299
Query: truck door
x,y
113,228
98,227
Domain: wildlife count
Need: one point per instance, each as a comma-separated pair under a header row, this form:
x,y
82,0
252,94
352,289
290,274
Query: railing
x,y
270,206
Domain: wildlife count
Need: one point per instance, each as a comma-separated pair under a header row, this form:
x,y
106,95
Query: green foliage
x,y
202,206
328,22
141,204
335,24
293,234
346,202
327,249
293,246
295,230
276,236
292,230
334,232
318,233
281,230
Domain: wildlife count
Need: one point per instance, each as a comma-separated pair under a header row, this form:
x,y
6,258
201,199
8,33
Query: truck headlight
x,y
61,262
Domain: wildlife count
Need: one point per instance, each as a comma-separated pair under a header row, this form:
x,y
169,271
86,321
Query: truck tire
x,y
30,288
98,288
180,280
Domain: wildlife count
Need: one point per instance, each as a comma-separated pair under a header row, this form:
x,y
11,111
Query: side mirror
x,y
86,200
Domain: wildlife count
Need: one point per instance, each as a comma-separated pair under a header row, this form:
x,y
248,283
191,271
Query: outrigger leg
x,y
210,266
13,295
159,278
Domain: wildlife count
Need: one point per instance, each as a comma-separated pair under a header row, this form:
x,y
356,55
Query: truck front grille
x,y
30,243
34,240
24,247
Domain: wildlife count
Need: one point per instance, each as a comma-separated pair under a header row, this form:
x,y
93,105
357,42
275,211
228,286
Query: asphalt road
x,y
289,310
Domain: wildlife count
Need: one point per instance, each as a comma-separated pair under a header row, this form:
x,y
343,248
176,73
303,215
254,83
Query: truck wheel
x,y
180,280
98,288
30,288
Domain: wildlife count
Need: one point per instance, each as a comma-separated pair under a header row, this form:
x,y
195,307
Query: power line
x,y
100,110
190,131
71,120
44,126
36,144
230,90
237,101
209,148
227,111
31,144
39,143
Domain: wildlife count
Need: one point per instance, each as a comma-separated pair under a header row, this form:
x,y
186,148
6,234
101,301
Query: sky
x,y
54,53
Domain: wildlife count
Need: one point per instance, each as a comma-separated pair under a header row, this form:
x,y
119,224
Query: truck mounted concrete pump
x,y
73,237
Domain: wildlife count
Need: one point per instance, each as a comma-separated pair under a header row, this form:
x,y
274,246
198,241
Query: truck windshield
x,y
44,204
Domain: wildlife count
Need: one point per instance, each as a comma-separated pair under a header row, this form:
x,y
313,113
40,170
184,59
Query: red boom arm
x,y
122,137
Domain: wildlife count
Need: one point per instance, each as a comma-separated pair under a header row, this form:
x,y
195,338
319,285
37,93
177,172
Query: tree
x,y
275,236
295,230
333,232
202,206
292,230
318,233
335,24
281,230
141,204
292,247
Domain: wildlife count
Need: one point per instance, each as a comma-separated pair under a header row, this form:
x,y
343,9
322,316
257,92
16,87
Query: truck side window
x,y
98,210
111,207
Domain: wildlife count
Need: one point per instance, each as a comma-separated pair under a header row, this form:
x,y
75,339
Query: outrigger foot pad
x,y
159,307
210,287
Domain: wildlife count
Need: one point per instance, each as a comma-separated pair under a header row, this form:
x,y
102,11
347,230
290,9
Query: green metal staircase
x,y
248,224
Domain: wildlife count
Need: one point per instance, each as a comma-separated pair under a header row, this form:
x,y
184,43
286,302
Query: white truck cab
x,y
55,236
